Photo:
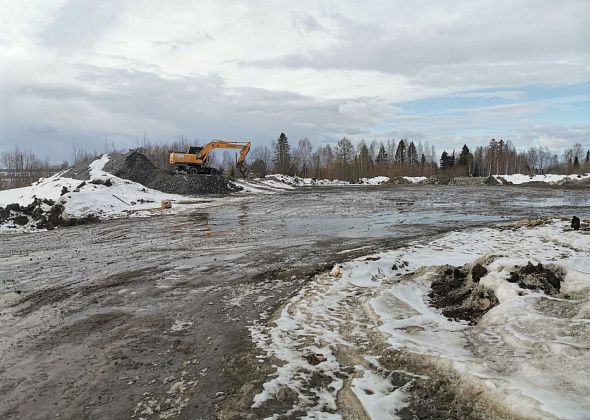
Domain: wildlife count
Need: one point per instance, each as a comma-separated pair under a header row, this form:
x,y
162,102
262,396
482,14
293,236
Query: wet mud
x,y
148,317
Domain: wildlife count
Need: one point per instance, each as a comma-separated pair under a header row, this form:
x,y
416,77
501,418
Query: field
x,y
234,308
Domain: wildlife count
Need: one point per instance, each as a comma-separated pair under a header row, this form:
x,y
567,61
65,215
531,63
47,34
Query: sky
x,y
449,72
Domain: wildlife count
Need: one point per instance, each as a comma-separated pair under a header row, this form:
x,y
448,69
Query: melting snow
x,y
527,356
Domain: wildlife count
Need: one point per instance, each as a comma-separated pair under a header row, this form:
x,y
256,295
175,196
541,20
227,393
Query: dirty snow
x,y
123,198
549,178
528,356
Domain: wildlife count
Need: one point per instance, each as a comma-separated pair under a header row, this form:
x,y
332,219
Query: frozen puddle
x,y
369,344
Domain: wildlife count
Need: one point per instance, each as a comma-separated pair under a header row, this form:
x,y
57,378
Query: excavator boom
x,y
194,161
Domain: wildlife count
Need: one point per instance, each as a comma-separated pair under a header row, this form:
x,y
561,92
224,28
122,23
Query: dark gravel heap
x,y
37,215
80,170
136,167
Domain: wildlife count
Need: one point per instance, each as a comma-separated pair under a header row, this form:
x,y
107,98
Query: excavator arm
x,y
225,144
196,161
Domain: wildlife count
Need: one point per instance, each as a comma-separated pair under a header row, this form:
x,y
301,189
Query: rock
x,y
4,214
315,358
64,190
21,220
166,204
80,186
106,183
336,272
477,272
575,223
537,278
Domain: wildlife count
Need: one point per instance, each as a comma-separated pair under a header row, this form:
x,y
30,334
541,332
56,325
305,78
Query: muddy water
x,y
149,317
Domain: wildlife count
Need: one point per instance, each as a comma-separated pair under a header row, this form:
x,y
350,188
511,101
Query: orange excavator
x,y
194,161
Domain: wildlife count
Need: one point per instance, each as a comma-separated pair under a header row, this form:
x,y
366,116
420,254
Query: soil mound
x,y
537,278
40,214
136,167
457,292
438,180
490,180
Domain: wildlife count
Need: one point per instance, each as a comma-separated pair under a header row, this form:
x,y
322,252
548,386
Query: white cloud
x,y
81,70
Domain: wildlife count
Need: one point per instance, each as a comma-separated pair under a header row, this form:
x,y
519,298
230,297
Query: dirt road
x,y
148,317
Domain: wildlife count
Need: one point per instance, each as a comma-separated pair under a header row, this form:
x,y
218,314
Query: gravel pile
x,y
136,167
80,170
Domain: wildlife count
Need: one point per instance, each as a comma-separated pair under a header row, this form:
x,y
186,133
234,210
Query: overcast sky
x,y
450,72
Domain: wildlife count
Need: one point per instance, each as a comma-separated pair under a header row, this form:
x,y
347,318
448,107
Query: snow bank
x,y
549,179
415,179
312,182
121,198
528,356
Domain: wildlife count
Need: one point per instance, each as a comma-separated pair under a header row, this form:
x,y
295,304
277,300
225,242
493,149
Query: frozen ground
x,y
81,198
385,345
152,317
518,179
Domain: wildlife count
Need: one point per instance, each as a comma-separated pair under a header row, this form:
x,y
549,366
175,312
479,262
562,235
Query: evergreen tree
x,y
588,156
382,156
412,154
446,160
400,153
364,157
464,157
423,159
282,158
576,162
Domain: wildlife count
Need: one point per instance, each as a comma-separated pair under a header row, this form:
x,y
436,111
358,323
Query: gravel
x,y
136,167
81,169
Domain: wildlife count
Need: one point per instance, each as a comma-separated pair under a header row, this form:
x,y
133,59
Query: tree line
x,y
348,161
344,160
22,167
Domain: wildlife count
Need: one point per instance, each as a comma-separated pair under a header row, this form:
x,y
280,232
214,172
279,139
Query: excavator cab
x,y
193,150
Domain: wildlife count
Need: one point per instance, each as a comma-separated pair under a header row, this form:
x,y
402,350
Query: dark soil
x,y
136,167
490,180
537,277
456,291
41,218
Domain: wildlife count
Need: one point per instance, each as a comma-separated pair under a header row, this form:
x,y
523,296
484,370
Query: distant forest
x,y
344,160
406,158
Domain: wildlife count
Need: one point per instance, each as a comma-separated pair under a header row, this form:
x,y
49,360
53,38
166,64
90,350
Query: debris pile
x,y
40,214
136,167
456,290
537,277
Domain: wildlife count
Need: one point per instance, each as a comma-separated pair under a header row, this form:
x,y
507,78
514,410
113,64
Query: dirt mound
x,y
537,278
398,180
136,167
40,214
456,291
490,180
438,180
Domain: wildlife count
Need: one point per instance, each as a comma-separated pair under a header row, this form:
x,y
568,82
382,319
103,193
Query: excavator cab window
x,y
193,150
